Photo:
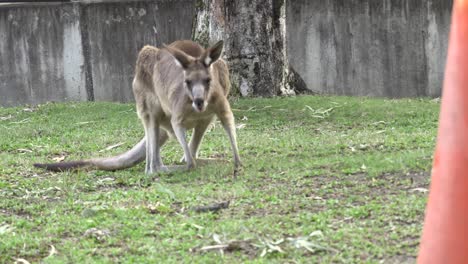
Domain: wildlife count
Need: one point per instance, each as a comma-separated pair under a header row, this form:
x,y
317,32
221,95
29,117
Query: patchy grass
x,y
325,179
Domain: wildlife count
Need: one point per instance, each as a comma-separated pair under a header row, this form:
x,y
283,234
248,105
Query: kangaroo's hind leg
x,y
148,109
154,140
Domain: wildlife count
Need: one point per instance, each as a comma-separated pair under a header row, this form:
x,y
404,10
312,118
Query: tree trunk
x,y
254,32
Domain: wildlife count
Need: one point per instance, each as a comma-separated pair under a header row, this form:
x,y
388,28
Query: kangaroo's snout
x,y
199,104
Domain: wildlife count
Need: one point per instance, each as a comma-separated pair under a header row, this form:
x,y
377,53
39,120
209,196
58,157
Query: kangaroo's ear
x,y
212,54
181,58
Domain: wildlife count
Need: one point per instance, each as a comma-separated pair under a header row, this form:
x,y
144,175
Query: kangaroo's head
x,y
197,74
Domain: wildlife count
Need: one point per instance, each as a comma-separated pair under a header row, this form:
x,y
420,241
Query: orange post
x,y
445,233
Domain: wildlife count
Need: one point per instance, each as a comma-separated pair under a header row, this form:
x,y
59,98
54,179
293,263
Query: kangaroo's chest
x,y
189,120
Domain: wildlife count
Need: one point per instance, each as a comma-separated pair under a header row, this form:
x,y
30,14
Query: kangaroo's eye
x,y
207,84
188,82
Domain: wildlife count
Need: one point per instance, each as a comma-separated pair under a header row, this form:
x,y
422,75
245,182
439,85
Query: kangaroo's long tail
x,y
125,160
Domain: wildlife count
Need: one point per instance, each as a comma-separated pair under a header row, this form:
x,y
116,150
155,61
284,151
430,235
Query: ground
x,y
325,179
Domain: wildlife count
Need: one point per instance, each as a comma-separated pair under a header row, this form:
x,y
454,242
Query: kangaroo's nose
x,y
199,103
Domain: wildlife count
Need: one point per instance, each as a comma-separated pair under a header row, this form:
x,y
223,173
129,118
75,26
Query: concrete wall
x,y
82,51
393,48
118,31
86,50
40,55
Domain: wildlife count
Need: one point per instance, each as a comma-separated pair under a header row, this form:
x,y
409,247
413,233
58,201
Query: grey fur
x,y
166,104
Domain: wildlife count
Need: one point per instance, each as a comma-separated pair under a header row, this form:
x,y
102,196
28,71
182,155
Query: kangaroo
x,y
178,87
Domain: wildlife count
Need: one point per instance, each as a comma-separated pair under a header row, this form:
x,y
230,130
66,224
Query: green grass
x,y
325,179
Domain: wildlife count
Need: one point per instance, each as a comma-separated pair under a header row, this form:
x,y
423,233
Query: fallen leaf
x,y
217,238
275,248
59,158
214,247
379,122
197,226
158,208
316,233
6,228
21,260
112,146
107,180
240,126
52,251
304,242
230,246
421,190
21,150
3,118
363,146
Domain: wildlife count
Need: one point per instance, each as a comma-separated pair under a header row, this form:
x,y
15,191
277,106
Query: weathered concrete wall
x,y
118,31
40,55
82,51
393,48
86,50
